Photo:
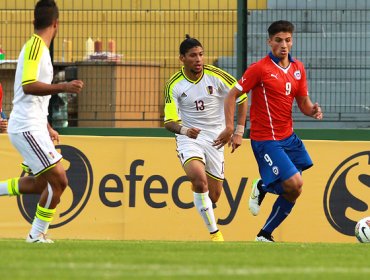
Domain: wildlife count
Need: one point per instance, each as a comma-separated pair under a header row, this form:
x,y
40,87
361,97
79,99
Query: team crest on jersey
x,y
184,94
51,155
210,89
297,75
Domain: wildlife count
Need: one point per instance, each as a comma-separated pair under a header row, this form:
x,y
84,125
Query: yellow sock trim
x,y
45,214
13,188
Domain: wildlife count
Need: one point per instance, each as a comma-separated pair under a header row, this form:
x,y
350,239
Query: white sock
x,y
38,227
204,206
42,220
4,188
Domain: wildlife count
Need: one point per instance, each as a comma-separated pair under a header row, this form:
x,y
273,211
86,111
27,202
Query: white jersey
x,y
200,103
34,64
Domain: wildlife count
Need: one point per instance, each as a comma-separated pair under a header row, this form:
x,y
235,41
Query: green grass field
x,y
72,259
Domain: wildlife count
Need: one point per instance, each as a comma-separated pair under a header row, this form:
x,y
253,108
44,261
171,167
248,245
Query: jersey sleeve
x,y
32,58
171,106
227,82
250,78
241,99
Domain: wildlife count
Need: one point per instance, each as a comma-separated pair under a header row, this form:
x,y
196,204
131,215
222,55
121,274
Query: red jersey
x,y
273,91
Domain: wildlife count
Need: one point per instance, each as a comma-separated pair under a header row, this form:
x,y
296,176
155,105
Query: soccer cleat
x,y
256,197
39,239
217,236
264,236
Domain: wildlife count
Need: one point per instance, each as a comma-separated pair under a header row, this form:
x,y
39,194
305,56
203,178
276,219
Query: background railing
x,y
139,52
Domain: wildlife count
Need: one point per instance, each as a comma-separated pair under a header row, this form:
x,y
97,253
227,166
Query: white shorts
x,y
37,149
200,149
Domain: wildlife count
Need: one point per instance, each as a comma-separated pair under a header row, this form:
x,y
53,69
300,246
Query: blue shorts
x,y
278,160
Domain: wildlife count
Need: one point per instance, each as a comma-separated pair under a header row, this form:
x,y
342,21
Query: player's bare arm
x,y
309,109
42,89
237,137
229,108
175,127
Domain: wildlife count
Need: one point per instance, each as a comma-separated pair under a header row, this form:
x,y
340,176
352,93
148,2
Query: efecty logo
x,y
75,196
347,193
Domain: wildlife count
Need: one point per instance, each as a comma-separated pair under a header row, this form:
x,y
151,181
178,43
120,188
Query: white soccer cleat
x,y
39,239
264,239
256,197
264,236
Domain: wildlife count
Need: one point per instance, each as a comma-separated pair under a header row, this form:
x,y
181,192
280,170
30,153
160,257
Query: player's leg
x,y
195,171
288,162
282,207
39,152
215,177
56,183
268,171
192,156
214,170
24,185
215,189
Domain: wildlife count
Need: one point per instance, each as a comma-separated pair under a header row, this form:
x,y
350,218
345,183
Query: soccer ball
x,y
362,230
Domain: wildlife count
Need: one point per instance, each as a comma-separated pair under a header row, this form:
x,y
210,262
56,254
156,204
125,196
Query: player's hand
x,y
74,86
316,112
193,132
235,141
223,138
54,135
3,125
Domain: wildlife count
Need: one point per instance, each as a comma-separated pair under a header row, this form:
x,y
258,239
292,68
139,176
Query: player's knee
x,y
293,186
59,186
296,192
200,185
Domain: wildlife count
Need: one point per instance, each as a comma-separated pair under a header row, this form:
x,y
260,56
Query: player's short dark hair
x,y
280,26
46,11
189,43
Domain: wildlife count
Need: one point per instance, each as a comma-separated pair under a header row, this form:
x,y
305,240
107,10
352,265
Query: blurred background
x,y
126,50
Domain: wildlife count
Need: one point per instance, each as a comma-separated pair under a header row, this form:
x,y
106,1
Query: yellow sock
x,y
45,214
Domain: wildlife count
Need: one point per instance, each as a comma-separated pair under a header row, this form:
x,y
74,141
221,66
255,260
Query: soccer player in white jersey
x,y
28,128
194,110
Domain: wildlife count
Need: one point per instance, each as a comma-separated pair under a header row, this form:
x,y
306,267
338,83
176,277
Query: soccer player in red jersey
x,y
275,81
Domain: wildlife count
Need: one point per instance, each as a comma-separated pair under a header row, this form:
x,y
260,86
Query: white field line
x,y
188,270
